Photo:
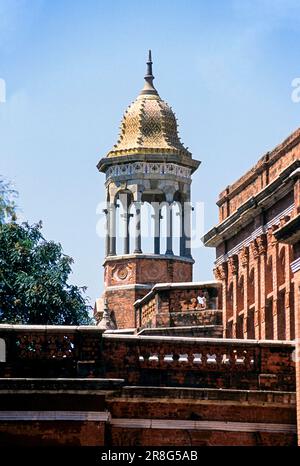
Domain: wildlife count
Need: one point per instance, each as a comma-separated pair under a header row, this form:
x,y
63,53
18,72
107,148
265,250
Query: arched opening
x,y
251,289
132,228
281,316
121,211
269,276
153,204
180,227
240,294
177,227
281,313
229,301
147,227
250,324
269,319
163,228
281,267
229,329
240,327
292,313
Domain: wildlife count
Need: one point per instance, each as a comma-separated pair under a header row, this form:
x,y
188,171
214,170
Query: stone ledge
x,y
203,425
54,416
205,395
148,256
50,328
59,384
209,341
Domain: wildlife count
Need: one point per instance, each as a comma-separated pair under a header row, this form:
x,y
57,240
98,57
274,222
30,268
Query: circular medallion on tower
x,y
122,273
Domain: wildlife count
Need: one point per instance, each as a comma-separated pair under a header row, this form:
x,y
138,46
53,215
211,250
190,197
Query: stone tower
x,y
149,164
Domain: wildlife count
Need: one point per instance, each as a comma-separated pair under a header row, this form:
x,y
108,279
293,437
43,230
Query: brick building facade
x,y
258,283
289,233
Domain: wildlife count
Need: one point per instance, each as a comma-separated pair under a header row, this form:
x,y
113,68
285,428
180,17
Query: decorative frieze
x,y
147,168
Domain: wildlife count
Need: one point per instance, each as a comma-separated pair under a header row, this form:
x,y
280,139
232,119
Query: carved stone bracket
x,y
233,264
270,237
254,249
220,271
244,256
261,244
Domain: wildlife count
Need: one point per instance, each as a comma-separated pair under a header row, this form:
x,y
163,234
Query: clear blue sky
x,y
72,67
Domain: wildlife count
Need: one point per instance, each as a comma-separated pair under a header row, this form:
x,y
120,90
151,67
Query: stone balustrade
x,y
212,363
49,350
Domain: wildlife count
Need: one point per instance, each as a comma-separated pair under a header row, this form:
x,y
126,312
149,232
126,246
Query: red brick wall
x,y
264,172
258,291
297,355
146,271
173,437
204,410
138,271
65,433
120,303
175,306
272,367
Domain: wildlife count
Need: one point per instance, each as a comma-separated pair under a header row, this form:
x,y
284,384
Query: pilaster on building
x,y
258,286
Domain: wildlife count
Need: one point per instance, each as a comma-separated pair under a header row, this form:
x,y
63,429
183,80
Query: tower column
x,y
169,250
138,238
182,235
107,240
112,229
187,209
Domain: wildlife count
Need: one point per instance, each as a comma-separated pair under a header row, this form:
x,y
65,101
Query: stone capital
x,y
261,242
244,256
233,264
254,249
220,271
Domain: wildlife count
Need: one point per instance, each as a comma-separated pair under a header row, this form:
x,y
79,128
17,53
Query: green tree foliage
x,y
34,275
7,202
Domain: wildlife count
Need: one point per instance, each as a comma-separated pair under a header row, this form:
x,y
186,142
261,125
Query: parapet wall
x,y
71,352
192,362
179,305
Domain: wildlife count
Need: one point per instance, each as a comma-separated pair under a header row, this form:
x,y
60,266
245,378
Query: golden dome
x,y
149,125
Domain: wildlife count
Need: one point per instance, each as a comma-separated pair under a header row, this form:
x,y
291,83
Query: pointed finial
x,y
149,76
149,88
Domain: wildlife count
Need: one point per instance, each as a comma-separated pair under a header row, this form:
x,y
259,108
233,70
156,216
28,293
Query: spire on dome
x,y
148,87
